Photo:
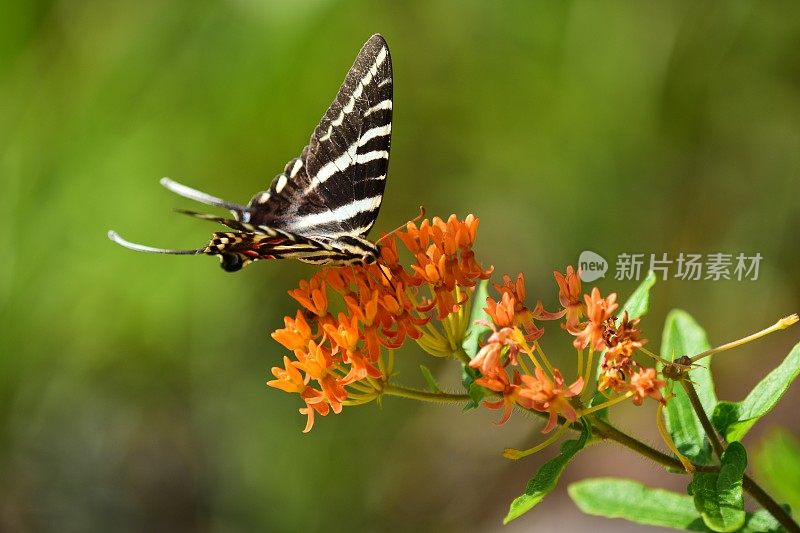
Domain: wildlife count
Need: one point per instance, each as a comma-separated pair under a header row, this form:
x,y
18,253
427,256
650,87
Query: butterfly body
x,y
237,249
324,203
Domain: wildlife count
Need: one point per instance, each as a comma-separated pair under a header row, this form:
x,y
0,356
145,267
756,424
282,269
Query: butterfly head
x,y
237,250
232,262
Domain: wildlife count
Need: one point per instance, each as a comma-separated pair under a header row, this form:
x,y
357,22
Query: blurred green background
x,y
132,389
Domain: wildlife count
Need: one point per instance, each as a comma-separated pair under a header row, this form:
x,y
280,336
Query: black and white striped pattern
x,y
336,185
323,204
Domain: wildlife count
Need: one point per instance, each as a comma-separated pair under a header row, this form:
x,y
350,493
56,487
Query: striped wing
x,y
335,187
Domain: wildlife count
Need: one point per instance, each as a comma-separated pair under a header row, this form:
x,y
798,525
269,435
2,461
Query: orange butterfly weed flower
x,y
488,357
498,381
312,295
296,334
645,383
444,260
502,313
316,363
569,295
401,313
338,359
511,308
288,379
540,393
622,340
345,334
598,311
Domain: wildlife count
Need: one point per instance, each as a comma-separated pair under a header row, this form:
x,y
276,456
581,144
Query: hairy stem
x,y
766,501
711,432
425,396
462,356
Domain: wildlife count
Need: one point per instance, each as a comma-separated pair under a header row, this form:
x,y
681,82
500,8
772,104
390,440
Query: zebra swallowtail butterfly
x,y
323,204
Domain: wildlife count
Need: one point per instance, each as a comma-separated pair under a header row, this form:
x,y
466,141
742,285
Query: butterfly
x,y
321,207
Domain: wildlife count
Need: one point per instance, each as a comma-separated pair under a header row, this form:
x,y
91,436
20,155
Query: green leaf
x,y
623,498
632,501
545,479
639,302
475,391
637,305
474,332
761,522
777,464
597,399
734,419
718,496
429,379
683,336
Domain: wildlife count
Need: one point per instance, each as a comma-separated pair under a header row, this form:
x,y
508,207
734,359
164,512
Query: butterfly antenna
x,y
398,228
233,224
114,236
200,196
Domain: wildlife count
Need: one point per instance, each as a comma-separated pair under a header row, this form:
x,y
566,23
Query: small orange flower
x,y
339,279
488,357
622,340
390,259
433,268
645,383
511,308
598,311
360,368
569,294
416,239
542,394
312,295
612,378
502,313
400,312
345,334
498,382
289,378
296,334
365,308
314,403
314,360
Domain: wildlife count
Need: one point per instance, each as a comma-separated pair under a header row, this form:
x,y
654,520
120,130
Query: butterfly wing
x,y
336,186
324,202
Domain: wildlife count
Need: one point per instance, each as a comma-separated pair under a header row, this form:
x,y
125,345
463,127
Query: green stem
x,y
766,501
748,484
462,356
425,396
697,405
606,430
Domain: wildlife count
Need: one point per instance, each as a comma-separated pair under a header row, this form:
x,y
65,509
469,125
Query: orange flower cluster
x,y
517,329
337,357
515,333
619,371
444,259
